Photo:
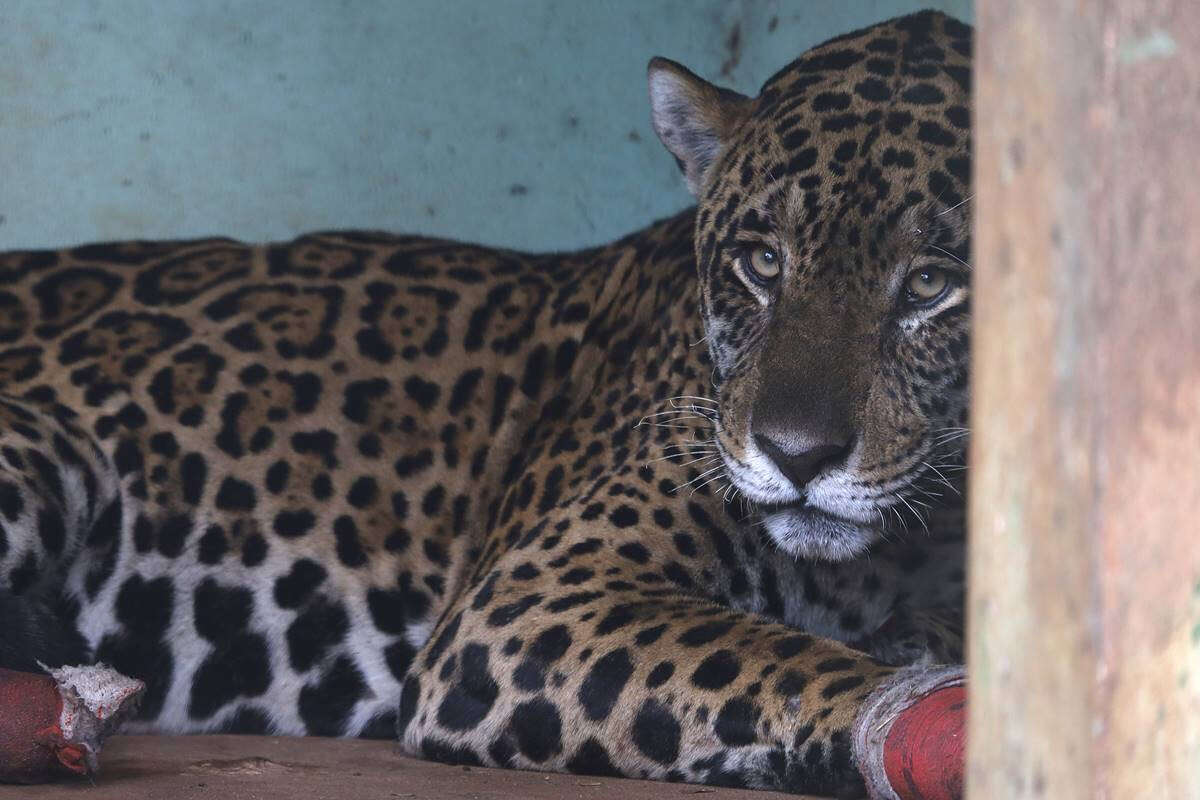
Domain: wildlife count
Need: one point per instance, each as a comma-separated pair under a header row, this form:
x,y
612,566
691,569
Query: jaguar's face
x,y
841,370
832,241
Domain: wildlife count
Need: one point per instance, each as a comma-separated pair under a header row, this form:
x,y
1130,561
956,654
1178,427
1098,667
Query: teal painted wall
x,y
521,123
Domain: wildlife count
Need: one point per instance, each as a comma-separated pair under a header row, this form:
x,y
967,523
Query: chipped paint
x,y
1156,44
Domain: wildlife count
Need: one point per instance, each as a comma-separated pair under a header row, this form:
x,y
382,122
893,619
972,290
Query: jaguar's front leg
x,y
550,670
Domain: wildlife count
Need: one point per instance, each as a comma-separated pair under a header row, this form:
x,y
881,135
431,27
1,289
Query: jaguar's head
x,y
832,241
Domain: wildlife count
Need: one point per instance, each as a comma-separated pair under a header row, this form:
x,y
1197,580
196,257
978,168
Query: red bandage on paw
x,y
55,724
925,750
910,737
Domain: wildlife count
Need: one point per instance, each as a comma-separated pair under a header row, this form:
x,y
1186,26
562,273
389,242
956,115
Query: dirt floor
x,y
268,768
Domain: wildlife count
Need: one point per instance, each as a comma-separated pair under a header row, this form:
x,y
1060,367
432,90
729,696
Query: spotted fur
x,y
516,507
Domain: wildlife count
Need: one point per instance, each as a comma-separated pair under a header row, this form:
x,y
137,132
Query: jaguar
x,y
686,506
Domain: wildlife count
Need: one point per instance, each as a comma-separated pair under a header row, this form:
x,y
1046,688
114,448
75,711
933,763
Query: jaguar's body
x,y
630,510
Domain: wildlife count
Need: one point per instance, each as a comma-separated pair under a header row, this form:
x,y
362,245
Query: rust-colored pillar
x,y
1085,491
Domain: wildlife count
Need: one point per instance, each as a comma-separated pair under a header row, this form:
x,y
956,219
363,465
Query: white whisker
x,y
695,397
707,482
698,477
962,202
952,255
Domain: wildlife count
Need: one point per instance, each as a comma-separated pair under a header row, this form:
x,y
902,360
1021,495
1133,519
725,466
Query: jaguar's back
x,y
300,446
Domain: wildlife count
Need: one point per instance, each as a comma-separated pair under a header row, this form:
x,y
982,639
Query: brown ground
x,y
269,768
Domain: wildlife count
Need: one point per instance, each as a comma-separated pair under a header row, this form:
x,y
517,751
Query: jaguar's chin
x,y
809,533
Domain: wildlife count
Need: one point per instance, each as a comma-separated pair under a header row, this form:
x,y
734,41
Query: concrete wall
x,y
512,122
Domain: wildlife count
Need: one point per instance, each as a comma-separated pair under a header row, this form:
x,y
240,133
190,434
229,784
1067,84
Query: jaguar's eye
x,y
763,264
926,285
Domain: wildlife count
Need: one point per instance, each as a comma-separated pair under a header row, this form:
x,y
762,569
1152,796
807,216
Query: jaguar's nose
x,y
802,459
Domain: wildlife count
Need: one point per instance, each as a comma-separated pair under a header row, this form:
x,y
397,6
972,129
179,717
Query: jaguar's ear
x,y
693,118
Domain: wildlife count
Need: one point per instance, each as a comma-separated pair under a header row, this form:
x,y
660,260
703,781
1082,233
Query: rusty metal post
x,y
1084,624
